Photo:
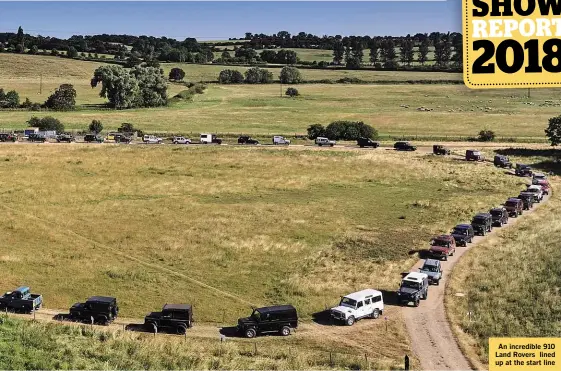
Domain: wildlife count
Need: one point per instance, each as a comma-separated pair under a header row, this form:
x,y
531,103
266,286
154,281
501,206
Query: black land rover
x,y
463,234
367,142
280,319
175,317
500,216
102,309
482,223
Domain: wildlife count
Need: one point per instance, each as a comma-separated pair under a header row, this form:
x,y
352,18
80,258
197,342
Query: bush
x,y
46,123
486,136
316,130
96,126
292,92
256,75
176,74
63,99
290,75
350,130
9,100
553,131
230,77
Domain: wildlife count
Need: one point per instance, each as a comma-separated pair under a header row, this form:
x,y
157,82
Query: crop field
x,y
517,271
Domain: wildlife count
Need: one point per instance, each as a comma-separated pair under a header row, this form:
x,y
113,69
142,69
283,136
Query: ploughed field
x,y
223,228
455,111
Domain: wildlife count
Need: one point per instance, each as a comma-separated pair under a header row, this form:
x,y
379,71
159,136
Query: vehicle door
x,y
377,302
166,320
368,307
267,322
360,309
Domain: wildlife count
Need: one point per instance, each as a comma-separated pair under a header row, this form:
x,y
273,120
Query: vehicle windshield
x,y
478,221
438,242
430,268
409,284
256,315
496,212
511,203
346,302
461,231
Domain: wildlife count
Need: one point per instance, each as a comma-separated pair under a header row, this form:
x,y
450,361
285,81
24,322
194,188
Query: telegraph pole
x,y
41,85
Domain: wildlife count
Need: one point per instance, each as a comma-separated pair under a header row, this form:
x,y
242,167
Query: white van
x,y
366,303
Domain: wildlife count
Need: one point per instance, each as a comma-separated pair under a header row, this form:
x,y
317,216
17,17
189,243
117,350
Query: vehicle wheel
x,y
452,253
320,145
416,302
426,295
285,331
445,257
350,321
331,145
151,327
438,282
375,313
181,330
361,146
102,320
250,333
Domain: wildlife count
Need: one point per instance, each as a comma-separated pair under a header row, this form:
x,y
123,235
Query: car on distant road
x,y
414,288
443,246
37,138
275,319
101,309
514,207
175,317
321,141
404,146
367,142
499,216
473,155
152,139
244,139
8,137
279,139
523,170
367,303
439,149
482,223
528,199
537,191
210,139
181,140
21,299
67,138
433,269
463,234
121,138
93,138
502,161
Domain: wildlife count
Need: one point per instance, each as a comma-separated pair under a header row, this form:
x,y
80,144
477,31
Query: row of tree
x,y
343,130
256,75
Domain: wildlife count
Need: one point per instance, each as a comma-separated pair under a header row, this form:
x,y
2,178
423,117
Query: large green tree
x,y
424,51
118,85
63,98
406,52
290,75
338,52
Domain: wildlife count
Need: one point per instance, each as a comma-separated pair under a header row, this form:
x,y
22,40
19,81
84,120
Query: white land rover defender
x,y
358,305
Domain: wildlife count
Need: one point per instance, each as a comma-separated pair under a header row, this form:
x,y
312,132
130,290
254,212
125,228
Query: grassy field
x,y
511,282
392,109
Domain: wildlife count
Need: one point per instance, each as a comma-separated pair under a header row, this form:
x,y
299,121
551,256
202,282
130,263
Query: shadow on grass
x,y
421,253
230,332
551,166
323,318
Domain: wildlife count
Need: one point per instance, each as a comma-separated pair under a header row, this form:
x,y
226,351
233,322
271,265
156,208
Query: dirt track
x,y
431,336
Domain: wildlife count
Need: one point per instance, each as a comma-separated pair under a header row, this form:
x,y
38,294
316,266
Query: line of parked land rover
x,y
368,303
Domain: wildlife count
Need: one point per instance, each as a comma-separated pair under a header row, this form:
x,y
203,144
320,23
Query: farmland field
x,y
223,228
392,109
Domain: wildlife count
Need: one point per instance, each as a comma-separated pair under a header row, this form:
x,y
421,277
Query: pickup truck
x,y
21,299
442,247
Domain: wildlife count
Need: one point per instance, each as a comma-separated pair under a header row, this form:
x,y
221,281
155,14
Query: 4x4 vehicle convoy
x,y
367,142
528,199
37,138
433,269
499,216
544,184
443,246
8,137
321,141
279,139
404,146
463,234
21,299
473,155
103,310
210,139
276,319
438,149
502,161
537,191
90,138
482,223
523,170
152,139
362,304
514,206
175,317
244,139
414,287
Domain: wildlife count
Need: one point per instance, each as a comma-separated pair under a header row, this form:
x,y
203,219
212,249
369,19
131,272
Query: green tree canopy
x,y
290,75
63,98
46,123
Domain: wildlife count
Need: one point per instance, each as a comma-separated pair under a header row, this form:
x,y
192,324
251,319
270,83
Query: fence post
x,y
406,362
254,349
331,359
91,322
155,329
366,360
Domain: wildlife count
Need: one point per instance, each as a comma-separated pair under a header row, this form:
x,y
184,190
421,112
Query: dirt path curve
x,y
431,336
